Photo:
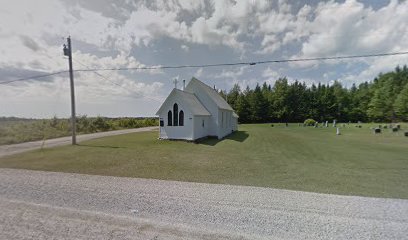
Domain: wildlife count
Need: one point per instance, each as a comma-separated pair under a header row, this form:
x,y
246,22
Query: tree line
x,y
385,99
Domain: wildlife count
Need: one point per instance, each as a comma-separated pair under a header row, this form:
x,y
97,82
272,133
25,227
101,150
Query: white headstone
x,y
334,123
338,131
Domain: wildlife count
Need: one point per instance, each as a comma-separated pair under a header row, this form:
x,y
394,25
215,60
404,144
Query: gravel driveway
x,y
6,150
43,205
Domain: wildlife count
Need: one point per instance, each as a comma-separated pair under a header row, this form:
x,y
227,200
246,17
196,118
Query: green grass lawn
x,y
298,158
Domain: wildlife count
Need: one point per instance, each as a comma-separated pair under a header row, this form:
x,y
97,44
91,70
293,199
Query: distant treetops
x,y
385,99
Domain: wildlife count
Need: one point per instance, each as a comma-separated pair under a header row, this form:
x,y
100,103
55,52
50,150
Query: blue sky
x,y
111,34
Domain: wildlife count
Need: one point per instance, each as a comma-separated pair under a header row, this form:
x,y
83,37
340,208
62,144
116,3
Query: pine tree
x,y
401,104
243,108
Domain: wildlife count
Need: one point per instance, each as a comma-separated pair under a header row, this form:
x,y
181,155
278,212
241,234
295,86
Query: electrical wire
x,y
109,80
34,77
215,65
244,63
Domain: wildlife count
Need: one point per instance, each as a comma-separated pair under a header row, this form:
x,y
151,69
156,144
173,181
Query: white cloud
x,y
375,66
234,73
269,73
350,28
198,73
34,31
185,47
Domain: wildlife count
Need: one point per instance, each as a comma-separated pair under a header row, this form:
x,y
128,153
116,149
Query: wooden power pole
x,y
68,52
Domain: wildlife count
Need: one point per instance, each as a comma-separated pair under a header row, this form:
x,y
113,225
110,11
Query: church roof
x,y
193,104
214,95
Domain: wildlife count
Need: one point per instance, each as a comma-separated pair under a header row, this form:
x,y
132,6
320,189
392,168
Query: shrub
x,y
377,130
84,125
309,122
100,124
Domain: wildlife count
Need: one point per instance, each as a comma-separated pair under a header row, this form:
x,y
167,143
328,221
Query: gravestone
x,y
327,124
334,123
377,130
338,131
406,134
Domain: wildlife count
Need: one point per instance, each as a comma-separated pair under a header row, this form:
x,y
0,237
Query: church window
x,y
175,116
169,119
181,118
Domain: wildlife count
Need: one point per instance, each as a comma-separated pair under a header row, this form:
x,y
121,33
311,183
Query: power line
x,y
217,64
34,77
109,80
244,63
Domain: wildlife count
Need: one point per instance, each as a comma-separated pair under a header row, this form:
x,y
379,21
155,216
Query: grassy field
x,y
299,158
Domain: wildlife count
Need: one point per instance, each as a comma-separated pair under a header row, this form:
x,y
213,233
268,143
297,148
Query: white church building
x,y
196,111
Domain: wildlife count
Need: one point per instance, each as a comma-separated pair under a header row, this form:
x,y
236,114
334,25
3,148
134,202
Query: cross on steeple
x,y
175,82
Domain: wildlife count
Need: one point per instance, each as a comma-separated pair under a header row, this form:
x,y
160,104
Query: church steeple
x,y
175,82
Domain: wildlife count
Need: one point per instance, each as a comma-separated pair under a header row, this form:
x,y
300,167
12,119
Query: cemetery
x,y
357,158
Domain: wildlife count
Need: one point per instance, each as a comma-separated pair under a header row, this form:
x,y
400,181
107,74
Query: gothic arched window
x,y
175,116
169,119
181,118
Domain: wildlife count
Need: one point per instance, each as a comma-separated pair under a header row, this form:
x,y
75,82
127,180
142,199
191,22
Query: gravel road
x,y
6,150
44,205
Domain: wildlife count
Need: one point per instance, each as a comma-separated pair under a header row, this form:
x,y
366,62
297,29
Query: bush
x,y
309,122
100,124
84,125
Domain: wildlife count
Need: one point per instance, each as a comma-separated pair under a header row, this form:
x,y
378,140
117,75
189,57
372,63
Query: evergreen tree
x,y
401,104
380,107
383,99
258,106
233,96
243,109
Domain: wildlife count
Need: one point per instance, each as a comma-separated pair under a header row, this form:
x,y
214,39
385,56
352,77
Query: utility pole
x,y
68,52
